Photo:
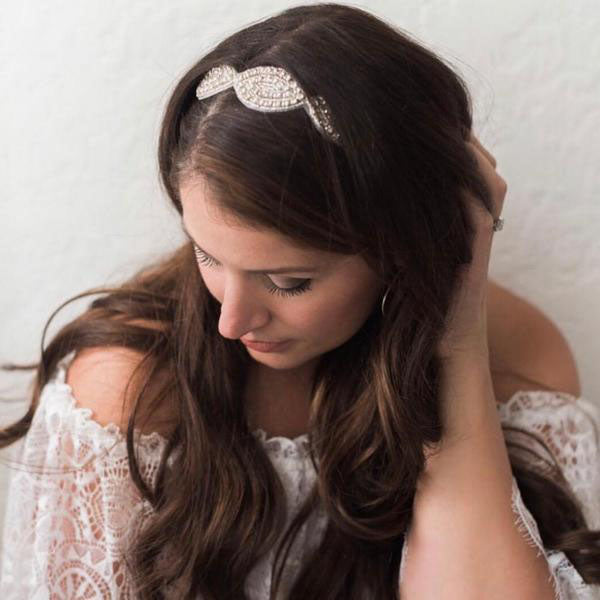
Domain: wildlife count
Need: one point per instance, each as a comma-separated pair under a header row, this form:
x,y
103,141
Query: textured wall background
x,y
85,84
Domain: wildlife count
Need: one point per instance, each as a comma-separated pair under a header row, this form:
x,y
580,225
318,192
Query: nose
x,y
241,311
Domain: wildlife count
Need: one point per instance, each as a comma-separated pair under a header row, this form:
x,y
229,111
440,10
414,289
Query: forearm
x,y
463,542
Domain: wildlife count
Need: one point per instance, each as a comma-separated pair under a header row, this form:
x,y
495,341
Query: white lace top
x,y
63,532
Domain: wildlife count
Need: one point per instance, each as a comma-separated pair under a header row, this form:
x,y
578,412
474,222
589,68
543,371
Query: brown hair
x,y
392,190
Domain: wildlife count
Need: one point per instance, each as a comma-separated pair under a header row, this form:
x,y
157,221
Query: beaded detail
x,y
268,89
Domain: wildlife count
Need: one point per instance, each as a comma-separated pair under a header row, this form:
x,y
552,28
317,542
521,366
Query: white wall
x,y
84,84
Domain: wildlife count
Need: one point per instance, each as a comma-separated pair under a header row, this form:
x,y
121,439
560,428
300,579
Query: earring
x,y
383,301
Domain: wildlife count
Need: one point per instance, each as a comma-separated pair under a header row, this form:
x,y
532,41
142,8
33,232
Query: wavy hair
x,y
393,190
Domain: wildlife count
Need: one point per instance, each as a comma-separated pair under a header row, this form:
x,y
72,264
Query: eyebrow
x,y
295,269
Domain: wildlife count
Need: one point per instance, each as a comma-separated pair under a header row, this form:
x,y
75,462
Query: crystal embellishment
x,y
268,89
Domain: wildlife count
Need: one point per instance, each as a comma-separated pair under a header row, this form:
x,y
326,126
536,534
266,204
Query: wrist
x,y
467,400
467,356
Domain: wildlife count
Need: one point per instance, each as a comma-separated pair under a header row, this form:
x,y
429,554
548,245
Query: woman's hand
x,y
466,329
462,509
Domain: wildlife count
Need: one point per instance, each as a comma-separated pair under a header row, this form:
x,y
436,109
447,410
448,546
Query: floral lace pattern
x,y
66,527
568,426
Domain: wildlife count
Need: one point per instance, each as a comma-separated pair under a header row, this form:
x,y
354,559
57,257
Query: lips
x,y
265,346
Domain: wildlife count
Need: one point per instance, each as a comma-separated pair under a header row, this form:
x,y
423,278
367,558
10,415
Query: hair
x,y
392,190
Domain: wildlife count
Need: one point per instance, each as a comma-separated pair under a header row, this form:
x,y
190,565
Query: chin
x,y
272,359
278,360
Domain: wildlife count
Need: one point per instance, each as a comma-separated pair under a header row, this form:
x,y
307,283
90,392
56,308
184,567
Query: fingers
x,y
482,149
487,166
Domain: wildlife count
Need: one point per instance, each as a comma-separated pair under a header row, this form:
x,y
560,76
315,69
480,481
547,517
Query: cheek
x,y
334,319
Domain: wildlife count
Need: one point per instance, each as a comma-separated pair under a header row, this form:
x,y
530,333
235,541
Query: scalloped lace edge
x,y
85,416
528,528
540,397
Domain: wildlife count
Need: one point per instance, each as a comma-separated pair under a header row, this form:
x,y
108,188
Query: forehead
x,y
224,236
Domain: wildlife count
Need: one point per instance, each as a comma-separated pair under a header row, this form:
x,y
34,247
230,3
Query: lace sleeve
x,y
71,503
569,426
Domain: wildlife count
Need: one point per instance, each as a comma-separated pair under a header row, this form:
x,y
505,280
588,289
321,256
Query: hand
x,y
466,328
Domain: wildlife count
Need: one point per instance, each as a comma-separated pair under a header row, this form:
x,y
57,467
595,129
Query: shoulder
x,y
106,379
528,351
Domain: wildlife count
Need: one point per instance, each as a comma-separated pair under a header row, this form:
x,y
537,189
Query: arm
x,y
468,483
463,527
463,542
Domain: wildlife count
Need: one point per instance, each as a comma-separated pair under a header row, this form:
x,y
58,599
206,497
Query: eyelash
x,y
207,261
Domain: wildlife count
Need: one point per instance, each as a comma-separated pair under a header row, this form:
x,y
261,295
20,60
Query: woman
x,y
299,401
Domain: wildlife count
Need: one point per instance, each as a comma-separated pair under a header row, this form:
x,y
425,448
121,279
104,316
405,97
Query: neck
x,y
278,401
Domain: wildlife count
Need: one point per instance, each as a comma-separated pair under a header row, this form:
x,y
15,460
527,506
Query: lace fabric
x,y
66,528
570,427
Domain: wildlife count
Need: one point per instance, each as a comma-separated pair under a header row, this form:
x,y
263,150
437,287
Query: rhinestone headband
x,y
268,89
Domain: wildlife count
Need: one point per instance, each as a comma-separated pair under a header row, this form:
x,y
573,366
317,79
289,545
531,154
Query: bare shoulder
x,y
102,379
526,347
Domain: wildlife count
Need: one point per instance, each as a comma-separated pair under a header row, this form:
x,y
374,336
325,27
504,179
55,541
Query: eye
x,y
203,259
304,286
294,291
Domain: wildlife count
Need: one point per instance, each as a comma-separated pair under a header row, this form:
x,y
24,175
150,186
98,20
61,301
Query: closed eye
x,y
304,285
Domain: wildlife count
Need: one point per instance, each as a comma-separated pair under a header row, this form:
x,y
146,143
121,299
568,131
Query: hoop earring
x,y
383,301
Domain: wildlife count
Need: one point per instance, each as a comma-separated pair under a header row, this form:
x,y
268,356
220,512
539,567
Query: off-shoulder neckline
x,y
297,445
275,442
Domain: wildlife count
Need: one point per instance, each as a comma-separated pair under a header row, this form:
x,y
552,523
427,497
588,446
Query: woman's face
x,y
311,299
